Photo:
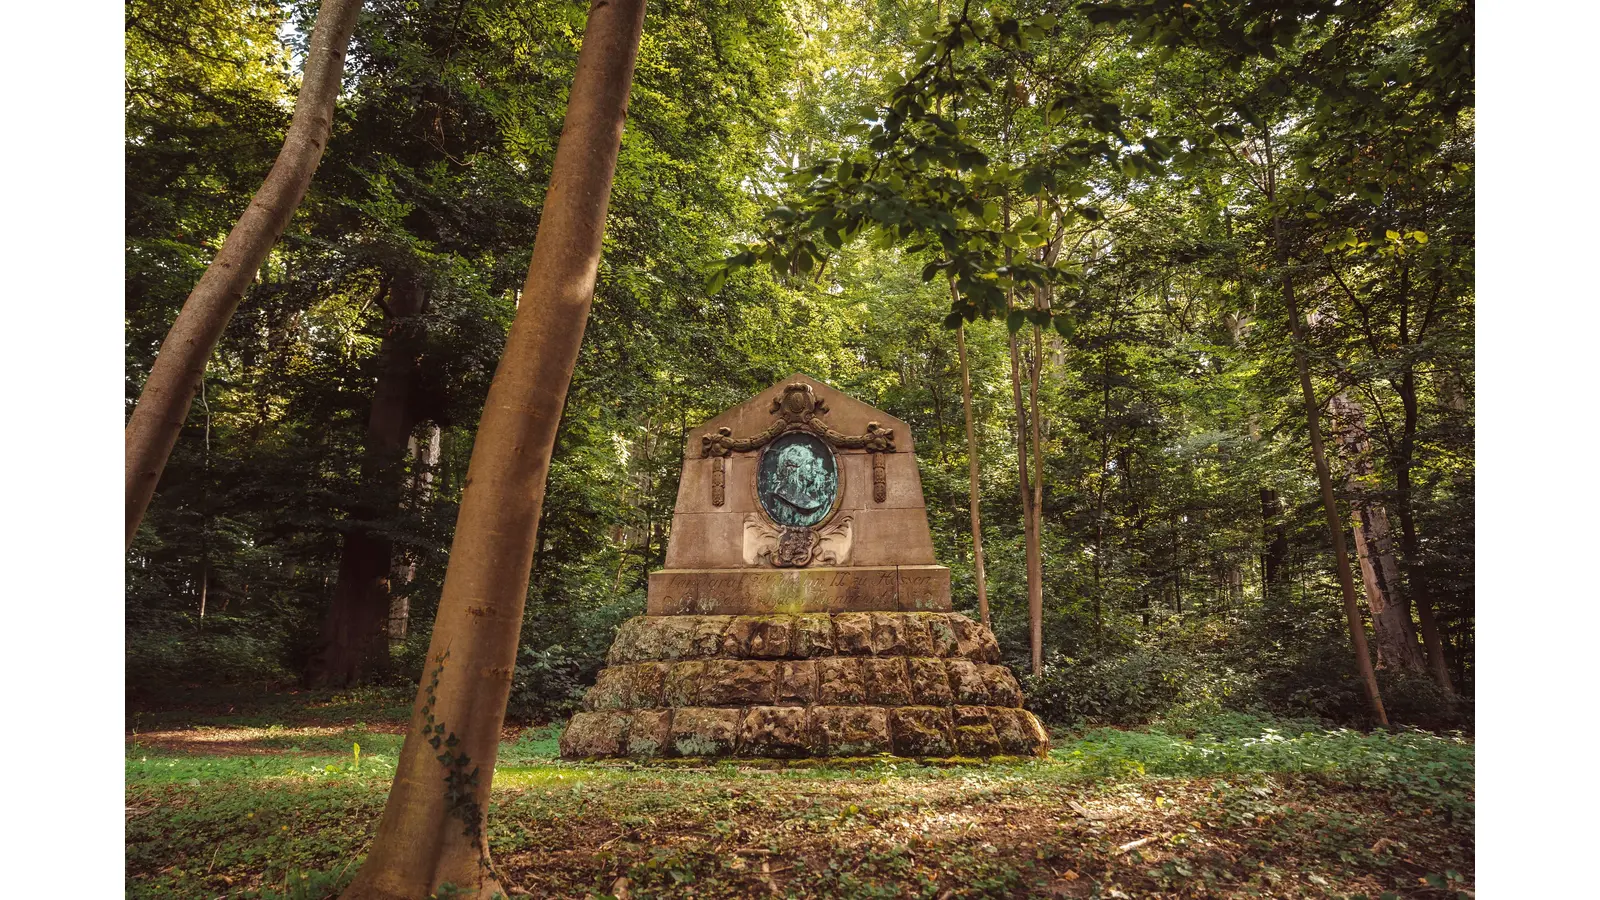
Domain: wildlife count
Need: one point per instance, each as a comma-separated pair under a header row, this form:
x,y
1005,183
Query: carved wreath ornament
x,y
798,487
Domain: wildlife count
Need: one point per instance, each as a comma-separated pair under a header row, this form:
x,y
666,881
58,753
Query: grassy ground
x,y
269,800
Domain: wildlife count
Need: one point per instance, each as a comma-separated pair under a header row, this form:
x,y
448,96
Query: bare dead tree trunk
x,y
429,836
164,402
980,577
1380,574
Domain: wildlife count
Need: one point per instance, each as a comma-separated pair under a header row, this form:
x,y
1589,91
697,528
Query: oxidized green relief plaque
x,y
797,480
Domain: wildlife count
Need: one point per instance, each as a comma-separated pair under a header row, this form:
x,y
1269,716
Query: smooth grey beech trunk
x,y
164,402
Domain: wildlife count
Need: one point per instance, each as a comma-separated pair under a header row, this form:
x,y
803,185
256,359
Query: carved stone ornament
x,y
787,548
799,409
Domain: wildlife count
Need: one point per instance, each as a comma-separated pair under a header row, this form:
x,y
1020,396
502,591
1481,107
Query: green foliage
x,y
1125,185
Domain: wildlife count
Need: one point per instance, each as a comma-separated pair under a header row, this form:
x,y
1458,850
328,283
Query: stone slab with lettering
x,y
801,611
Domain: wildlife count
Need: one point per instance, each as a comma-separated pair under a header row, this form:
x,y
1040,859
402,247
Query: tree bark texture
x,y
979,576
424,454
1025,488
164,402
1341,556
1409,542
1036,513
428,837
1380,573
353,632
1275,559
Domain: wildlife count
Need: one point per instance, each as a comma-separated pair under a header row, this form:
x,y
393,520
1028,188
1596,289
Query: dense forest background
x,y
1186,566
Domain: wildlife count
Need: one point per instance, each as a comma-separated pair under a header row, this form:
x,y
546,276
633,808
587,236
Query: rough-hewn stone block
x,y
930,683
776,731
887,684
967,682
971,715
973,641
920,731
797,681
623,648
853,730
813,636
852,634
708,633
976,740
1019,732
758,637
698,731
683,682
889,634
650,733
839,681
633,686
595,734
737,683
1003,687
942,635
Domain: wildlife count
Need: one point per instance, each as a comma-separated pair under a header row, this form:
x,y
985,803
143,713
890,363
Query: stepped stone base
x,y
807,685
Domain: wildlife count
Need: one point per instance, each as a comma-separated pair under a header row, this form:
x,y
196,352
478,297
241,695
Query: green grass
x,y
1228,807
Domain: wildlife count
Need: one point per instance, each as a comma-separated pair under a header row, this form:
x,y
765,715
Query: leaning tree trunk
x,y
164,402
1330,506
432,831
978,574
354,629
1380,574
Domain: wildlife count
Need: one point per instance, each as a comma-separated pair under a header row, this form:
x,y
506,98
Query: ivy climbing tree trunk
x,y
164,401
353,631
432,830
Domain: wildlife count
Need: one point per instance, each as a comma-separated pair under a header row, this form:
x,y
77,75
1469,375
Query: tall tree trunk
x,y
1330,506
980,577
424,455
432,830
1025,488
1036,513
1416,575
164,402
1380,575
353,631
1275,559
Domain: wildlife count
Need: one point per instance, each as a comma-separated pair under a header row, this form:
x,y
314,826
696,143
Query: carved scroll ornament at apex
x,y
798,410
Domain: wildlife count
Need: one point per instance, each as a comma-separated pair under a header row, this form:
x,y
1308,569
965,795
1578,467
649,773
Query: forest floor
x,y
267,798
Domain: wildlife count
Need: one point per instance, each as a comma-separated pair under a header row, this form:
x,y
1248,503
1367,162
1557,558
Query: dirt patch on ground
x,y
251,741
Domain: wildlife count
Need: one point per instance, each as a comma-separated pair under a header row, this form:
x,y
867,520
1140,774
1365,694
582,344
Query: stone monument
x,y
801,612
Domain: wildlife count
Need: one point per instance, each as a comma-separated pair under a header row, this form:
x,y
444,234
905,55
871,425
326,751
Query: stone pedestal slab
x,y
711,592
